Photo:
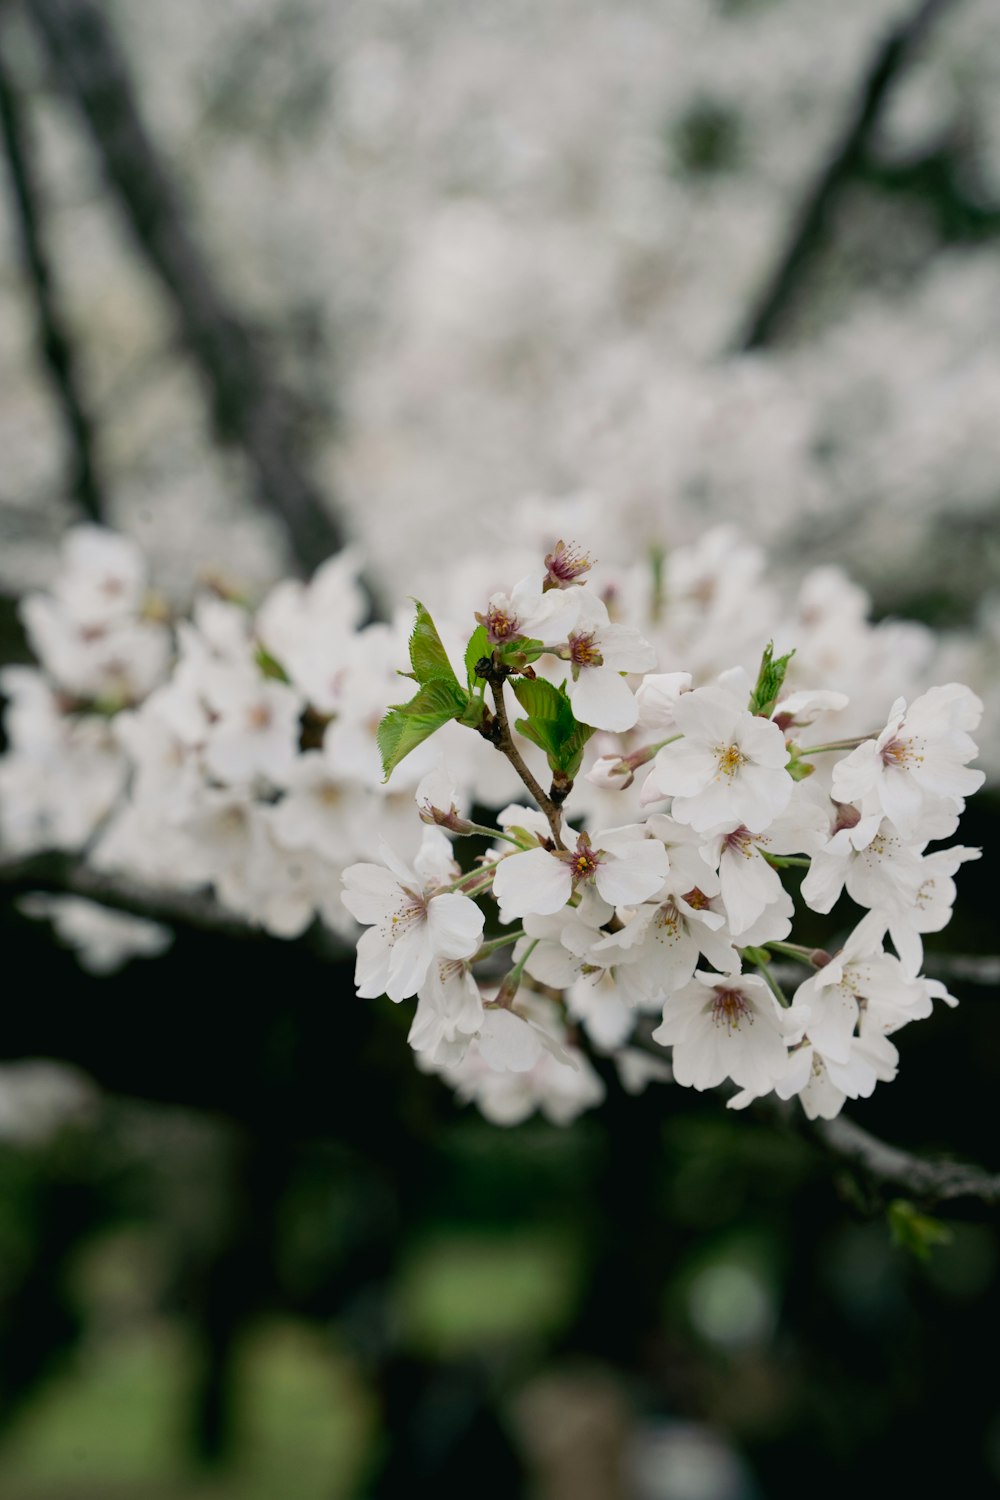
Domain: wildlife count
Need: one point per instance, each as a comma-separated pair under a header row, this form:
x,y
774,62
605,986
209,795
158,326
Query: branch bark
x,y
69,875
53,335
249,407
895,52
928,1182
883,1166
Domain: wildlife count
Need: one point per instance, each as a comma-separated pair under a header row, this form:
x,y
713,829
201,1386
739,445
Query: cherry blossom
x,y
729,767
727,1026
410,922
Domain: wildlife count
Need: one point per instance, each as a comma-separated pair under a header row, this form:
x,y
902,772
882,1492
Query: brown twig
x,y
894,53
250,409
930,1183
505,744
53,335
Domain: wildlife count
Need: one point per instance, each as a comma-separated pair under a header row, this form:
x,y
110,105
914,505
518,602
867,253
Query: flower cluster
x,y
689,788
679,912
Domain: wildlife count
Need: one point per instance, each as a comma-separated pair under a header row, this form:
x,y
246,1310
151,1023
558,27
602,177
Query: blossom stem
x,y
802,751
495,943
512,979
483,876
505,744
493,833
788,861
764,969
796,951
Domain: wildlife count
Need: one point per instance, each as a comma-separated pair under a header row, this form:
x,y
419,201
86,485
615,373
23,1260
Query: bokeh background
x,y
274,274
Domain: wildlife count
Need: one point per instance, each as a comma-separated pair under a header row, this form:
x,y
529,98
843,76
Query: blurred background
x,y
275,275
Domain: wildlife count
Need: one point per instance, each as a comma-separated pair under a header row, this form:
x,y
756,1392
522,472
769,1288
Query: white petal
x,y
508,1043
603,699
534,881
456,925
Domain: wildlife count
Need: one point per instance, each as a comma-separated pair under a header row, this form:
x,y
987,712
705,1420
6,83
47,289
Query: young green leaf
x,y
407,725
478,647
551,725
268,666
520,653
428,658
916,1232
769,681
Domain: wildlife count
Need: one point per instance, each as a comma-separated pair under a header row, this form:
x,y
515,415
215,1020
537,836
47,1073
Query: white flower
x,y
877,866
727,1026
528,612
319,811
104,940
598,653
749,884
859,979
918,759
656,697
560,1081
255,731
306,627
822,1084
102,576
729,768
931,910
410,924
449,1013
626,867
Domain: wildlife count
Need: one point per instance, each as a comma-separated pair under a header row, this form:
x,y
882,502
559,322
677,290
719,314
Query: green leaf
x,y
551,725
407,725
268,665
478,647
769,681
473,713
428,658
539,699
916,1232
571,750
520,653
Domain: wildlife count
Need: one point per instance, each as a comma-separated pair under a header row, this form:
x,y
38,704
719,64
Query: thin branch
x,y
895,52
505,744
69,875
250,409
885,1166
54,340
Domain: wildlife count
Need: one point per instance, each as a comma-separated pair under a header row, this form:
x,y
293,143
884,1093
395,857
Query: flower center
x,y
411,909
730,1009
584,862
742,841
259,716
565,565
901,753
696,898
730,758
501,626
583,652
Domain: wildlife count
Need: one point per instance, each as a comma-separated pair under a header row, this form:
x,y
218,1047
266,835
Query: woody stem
x,y
505,744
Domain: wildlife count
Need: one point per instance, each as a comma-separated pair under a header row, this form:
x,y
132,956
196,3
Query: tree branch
x,y
928,1182
893,55
69,875
249,408
53,334
505,744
